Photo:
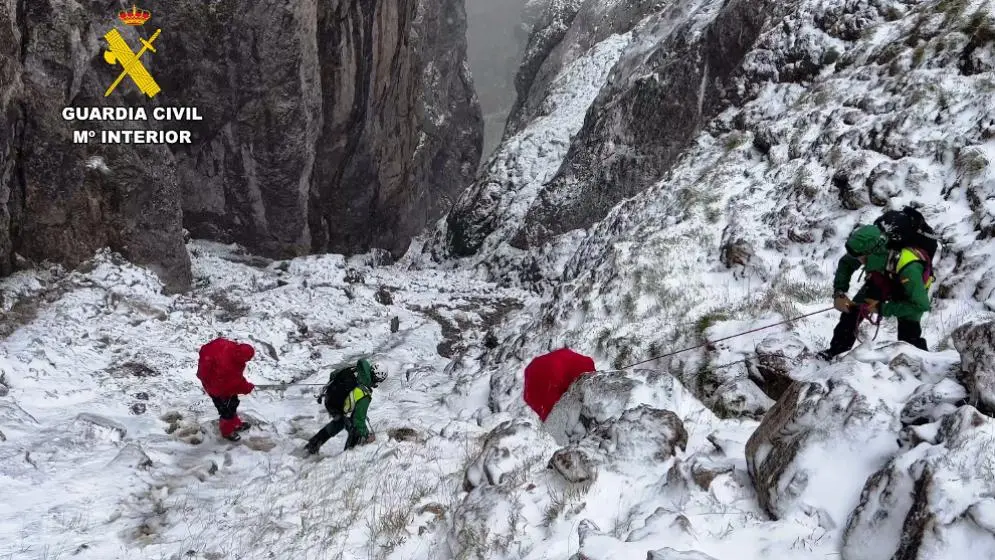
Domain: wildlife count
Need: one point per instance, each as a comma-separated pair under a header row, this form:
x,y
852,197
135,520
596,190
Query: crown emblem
x,y
135,16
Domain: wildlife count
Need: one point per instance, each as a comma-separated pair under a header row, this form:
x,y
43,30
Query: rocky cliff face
x,y
66,200
335,127
351,131
10,67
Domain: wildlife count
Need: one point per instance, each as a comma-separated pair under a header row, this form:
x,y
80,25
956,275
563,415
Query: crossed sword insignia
x,y
121,52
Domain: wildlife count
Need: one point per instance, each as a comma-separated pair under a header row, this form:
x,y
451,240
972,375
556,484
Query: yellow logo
x,y
121,53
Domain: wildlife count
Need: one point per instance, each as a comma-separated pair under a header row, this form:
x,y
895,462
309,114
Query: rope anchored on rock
x,y
710,342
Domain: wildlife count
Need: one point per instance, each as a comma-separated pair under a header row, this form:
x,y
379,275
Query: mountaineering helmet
x,y
866,240
378,373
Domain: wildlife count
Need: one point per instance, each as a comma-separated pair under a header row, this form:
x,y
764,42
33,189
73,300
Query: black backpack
x,y
908,228
336,391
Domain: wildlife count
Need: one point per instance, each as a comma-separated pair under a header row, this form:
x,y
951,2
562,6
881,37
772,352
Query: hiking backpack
x,y
340,383
907,228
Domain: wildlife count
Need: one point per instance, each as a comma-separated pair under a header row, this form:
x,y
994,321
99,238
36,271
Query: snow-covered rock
x,y
933,401
600,398
573,464
132,456
933,502
643,434
621,416
671,554
511,449
770,366
976,343
788,456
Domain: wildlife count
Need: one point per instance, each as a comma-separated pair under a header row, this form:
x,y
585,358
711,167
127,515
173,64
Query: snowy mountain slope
x,y
837,110
741,231
110,448
749,222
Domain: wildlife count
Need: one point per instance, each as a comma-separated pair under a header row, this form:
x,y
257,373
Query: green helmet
x,y
866,240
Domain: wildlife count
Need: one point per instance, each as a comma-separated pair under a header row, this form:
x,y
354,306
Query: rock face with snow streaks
x,y
330,126
976,344
932,502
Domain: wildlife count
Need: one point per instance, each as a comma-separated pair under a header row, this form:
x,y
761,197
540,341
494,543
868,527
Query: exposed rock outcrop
x,y
651,109
976,344
932,502
811,421
66,200
562,31
334,126
770,366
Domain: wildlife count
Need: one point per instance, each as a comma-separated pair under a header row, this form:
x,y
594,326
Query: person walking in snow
x,y
899,276
221,370
347,397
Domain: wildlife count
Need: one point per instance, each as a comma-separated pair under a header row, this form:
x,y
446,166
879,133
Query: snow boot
x,y
243,426
233,437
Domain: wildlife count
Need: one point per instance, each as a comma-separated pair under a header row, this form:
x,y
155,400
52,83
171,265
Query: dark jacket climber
x,y
347,398
897,286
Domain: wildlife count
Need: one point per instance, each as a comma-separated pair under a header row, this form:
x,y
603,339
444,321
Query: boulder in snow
x,y
933,401
770,367
933,502
573,464
644,434
621,416
975,341
94,427
592,399
508,450
133,369
405,434
815,448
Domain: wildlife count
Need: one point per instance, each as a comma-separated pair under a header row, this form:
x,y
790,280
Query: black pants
x,y
227,406
331,430
845,333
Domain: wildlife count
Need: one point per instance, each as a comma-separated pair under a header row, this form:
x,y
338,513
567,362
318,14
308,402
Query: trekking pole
x,y
709,342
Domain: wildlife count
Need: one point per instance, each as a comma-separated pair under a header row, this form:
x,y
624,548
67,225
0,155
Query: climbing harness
x,y
872,318
710,342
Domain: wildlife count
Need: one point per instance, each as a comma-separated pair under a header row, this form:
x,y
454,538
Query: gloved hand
x,y
842,302
368,439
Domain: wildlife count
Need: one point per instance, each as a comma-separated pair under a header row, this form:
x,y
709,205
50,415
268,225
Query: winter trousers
x,y
228,410
331,430
845,333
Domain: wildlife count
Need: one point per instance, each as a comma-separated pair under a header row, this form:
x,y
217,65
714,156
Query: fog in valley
x,y
495,38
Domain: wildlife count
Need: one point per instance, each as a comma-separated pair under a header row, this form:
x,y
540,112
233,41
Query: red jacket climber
x,y
220,369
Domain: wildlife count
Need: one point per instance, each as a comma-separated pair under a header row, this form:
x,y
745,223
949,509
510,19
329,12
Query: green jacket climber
x,y
358,401
347,398
896,287
913,299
